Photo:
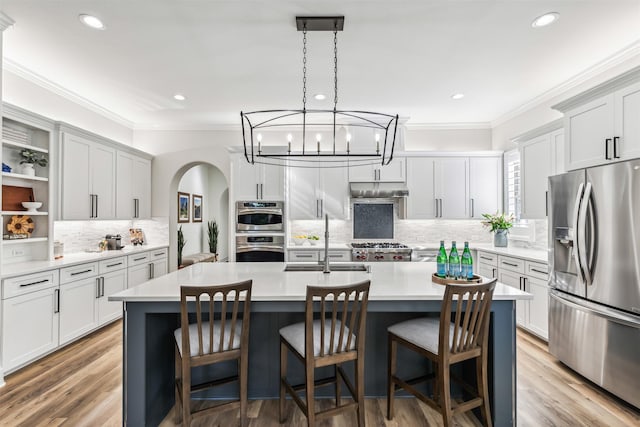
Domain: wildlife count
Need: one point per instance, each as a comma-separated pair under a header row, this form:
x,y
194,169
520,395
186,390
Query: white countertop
x,y
319,246
20,268
390,281
536,255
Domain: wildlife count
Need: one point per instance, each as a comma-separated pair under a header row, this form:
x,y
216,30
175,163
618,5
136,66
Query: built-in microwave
x,y
259,216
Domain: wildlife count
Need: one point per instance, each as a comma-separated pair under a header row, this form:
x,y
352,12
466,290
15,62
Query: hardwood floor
x,y
82,385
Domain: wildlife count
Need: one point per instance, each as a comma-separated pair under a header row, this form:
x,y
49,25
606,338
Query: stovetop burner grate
x,y
378,245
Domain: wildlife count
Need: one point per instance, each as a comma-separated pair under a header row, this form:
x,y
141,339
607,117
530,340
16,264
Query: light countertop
x,y
390,281
537,255
319,246
20,268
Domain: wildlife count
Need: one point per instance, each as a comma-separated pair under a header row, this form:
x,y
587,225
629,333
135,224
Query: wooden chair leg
x,y
186,394
483,389
391,371
360,388
178,368
244,372
337,375
445,393
310,381
436,382
283,378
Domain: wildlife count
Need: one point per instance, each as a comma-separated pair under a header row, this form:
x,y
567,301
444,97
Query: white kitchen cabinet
x,y
557,152
257,181
451,187
133,186
538,321
307,255
536,167
112,279
303,256
605,128
421,201
88,173
393,172
316,191
78,308
145,266
29,318
514,280
485,185
487,264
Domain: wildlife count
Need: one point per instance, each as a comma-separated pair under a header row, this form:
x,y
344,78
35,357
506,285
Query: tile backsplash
x,y
79,236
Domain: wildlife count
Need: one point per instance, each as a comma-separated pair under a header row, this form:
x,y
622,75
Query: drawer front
x,y
29,283
487,258
159,253
137,259
113,264
537,270
511,264
303,256
338,256
78,272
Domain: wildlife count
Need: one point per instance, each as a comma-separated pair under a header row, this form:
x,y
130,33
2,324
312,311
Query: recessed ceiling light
x,y
179,97
546,19
457,96
91,21
320,96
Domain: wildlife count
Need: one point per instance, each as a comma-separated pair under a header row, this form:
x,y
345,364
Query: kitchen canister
x,y
58,249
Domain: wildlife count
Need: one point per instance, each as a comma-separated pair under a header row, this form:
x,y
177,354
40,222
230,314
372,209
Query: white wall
x,y
417,139
195,181
25,94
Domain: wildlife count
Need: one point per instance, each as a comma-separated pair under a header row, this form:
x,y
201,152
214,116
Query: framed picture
x,y
183,207
197,208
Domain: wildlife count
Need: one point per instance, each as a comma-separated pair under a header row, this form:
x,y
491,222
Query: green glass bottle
x,y
454,261
466,262
442,260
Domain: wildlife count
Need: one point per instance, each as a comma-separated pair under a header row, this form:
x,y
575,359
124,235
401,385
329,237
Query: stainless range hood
x,y
378,190
381,192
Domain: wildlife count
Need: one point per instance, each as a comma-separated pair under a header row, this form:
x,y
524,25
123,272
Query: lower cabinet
x,y
148,265
78,310
337,255
29,318
527,276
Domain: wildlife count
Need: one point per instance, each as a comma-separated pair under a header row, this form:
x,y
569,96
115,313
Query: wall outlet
x,y
17,252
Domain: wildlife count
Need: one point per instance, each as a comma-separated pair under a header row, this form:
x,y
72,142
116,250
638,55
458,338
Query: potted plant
x,y
181,243
212,228
500,224
31,158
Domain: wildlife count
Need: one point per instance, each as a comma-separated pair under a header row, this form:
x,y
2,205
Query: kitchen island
x,y
399,291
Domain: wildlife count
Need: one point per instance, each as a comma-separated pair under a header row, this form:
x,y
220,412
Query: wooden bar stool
x,y
221,336
446,342
333,336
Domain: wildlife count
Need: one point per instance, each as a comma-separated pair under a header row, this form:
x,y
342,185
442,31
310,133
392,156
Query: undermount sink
x,y
320,267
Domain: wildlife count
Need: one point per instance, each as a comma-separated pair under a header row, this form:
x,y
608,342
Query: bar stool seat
x,y
423,332
294,335
194,341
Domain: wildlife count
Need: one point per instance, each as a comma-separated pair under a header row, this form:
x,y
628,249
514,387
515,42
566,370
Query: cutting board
x,y
12,197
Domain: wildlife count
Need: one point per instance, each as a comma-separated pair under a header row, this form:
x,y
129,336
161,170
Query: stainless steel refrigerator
x,y
594,303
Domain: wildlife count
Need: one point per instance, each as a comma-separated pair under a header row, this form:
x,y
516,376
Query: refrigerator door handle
x,y
582,240
576,228
597,310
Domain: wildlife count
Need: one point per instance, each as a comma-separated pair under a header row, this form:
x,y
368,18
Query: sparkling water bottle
x,y
466,263
454,262
442,260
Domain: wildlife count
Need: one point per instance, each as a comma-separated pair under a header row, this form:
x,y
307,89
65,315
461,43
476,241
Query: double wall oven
x,y
259,231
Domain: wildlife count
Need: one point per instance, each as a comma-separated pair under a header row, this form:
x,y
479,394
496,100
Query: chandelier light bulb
x,y
348,142
377,143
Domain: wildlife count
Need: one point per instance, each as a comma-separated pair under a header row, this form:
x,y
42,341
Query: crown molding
x,y
5,21
21,71
617,58
449,126
539,131
186,127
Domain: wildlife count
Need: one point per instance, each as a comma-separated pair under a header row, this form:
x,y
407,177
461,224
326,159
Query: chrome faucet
x,y
326,268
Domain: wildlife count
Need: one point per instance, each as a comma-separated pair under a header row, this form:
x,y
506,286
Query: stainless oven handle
x,y
243,249
259,211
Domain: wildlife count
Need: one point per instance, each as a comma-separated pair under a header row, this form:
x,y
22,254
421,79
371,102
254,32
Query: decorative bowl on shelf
x,y
299,240
31,206
313,239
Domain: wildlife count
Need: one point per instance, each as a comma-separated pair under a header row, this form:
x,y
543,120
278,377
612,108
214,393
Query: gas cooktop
x,y
379,245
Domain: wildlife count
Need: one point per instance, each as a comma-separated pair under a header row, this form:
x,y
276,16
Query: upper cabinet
x,y
602,124
102,179
88,172
541,156
316,191
453,187
393,172
27,133
133,186
257,181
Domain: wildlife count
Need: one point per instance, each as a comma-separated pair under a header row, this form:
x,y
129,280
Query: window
x,y
512,183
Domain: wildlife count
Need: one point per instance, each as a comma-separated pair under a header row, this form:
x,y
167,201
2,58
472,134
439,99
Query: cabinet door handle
x,y
153,270
441,203
91,205
546,203
539,271
493,272
508,263
473,208
606,148
96,206
257,191
321,208
81,272
520,283
113,265
56,301
524,284
102,286
139,259
487,258
150,271
158,254
615,147
304,256
24,285
97,287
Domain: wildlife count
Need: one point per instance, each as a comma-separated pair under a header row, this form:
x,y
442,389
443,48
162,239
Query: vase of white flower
x,y
500,225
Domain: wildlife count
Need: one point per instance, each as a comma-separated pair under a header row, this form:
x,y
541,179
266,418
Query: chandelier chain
x,y
304,68
335,69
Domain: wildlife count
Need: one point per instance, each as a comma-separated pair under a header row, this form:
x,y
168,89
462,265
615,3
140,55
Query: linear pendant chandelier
x,y
323,138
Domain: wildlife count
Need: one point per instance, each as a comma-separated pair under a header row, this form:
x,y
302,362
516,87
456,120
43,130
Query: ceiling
x,y
404,57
